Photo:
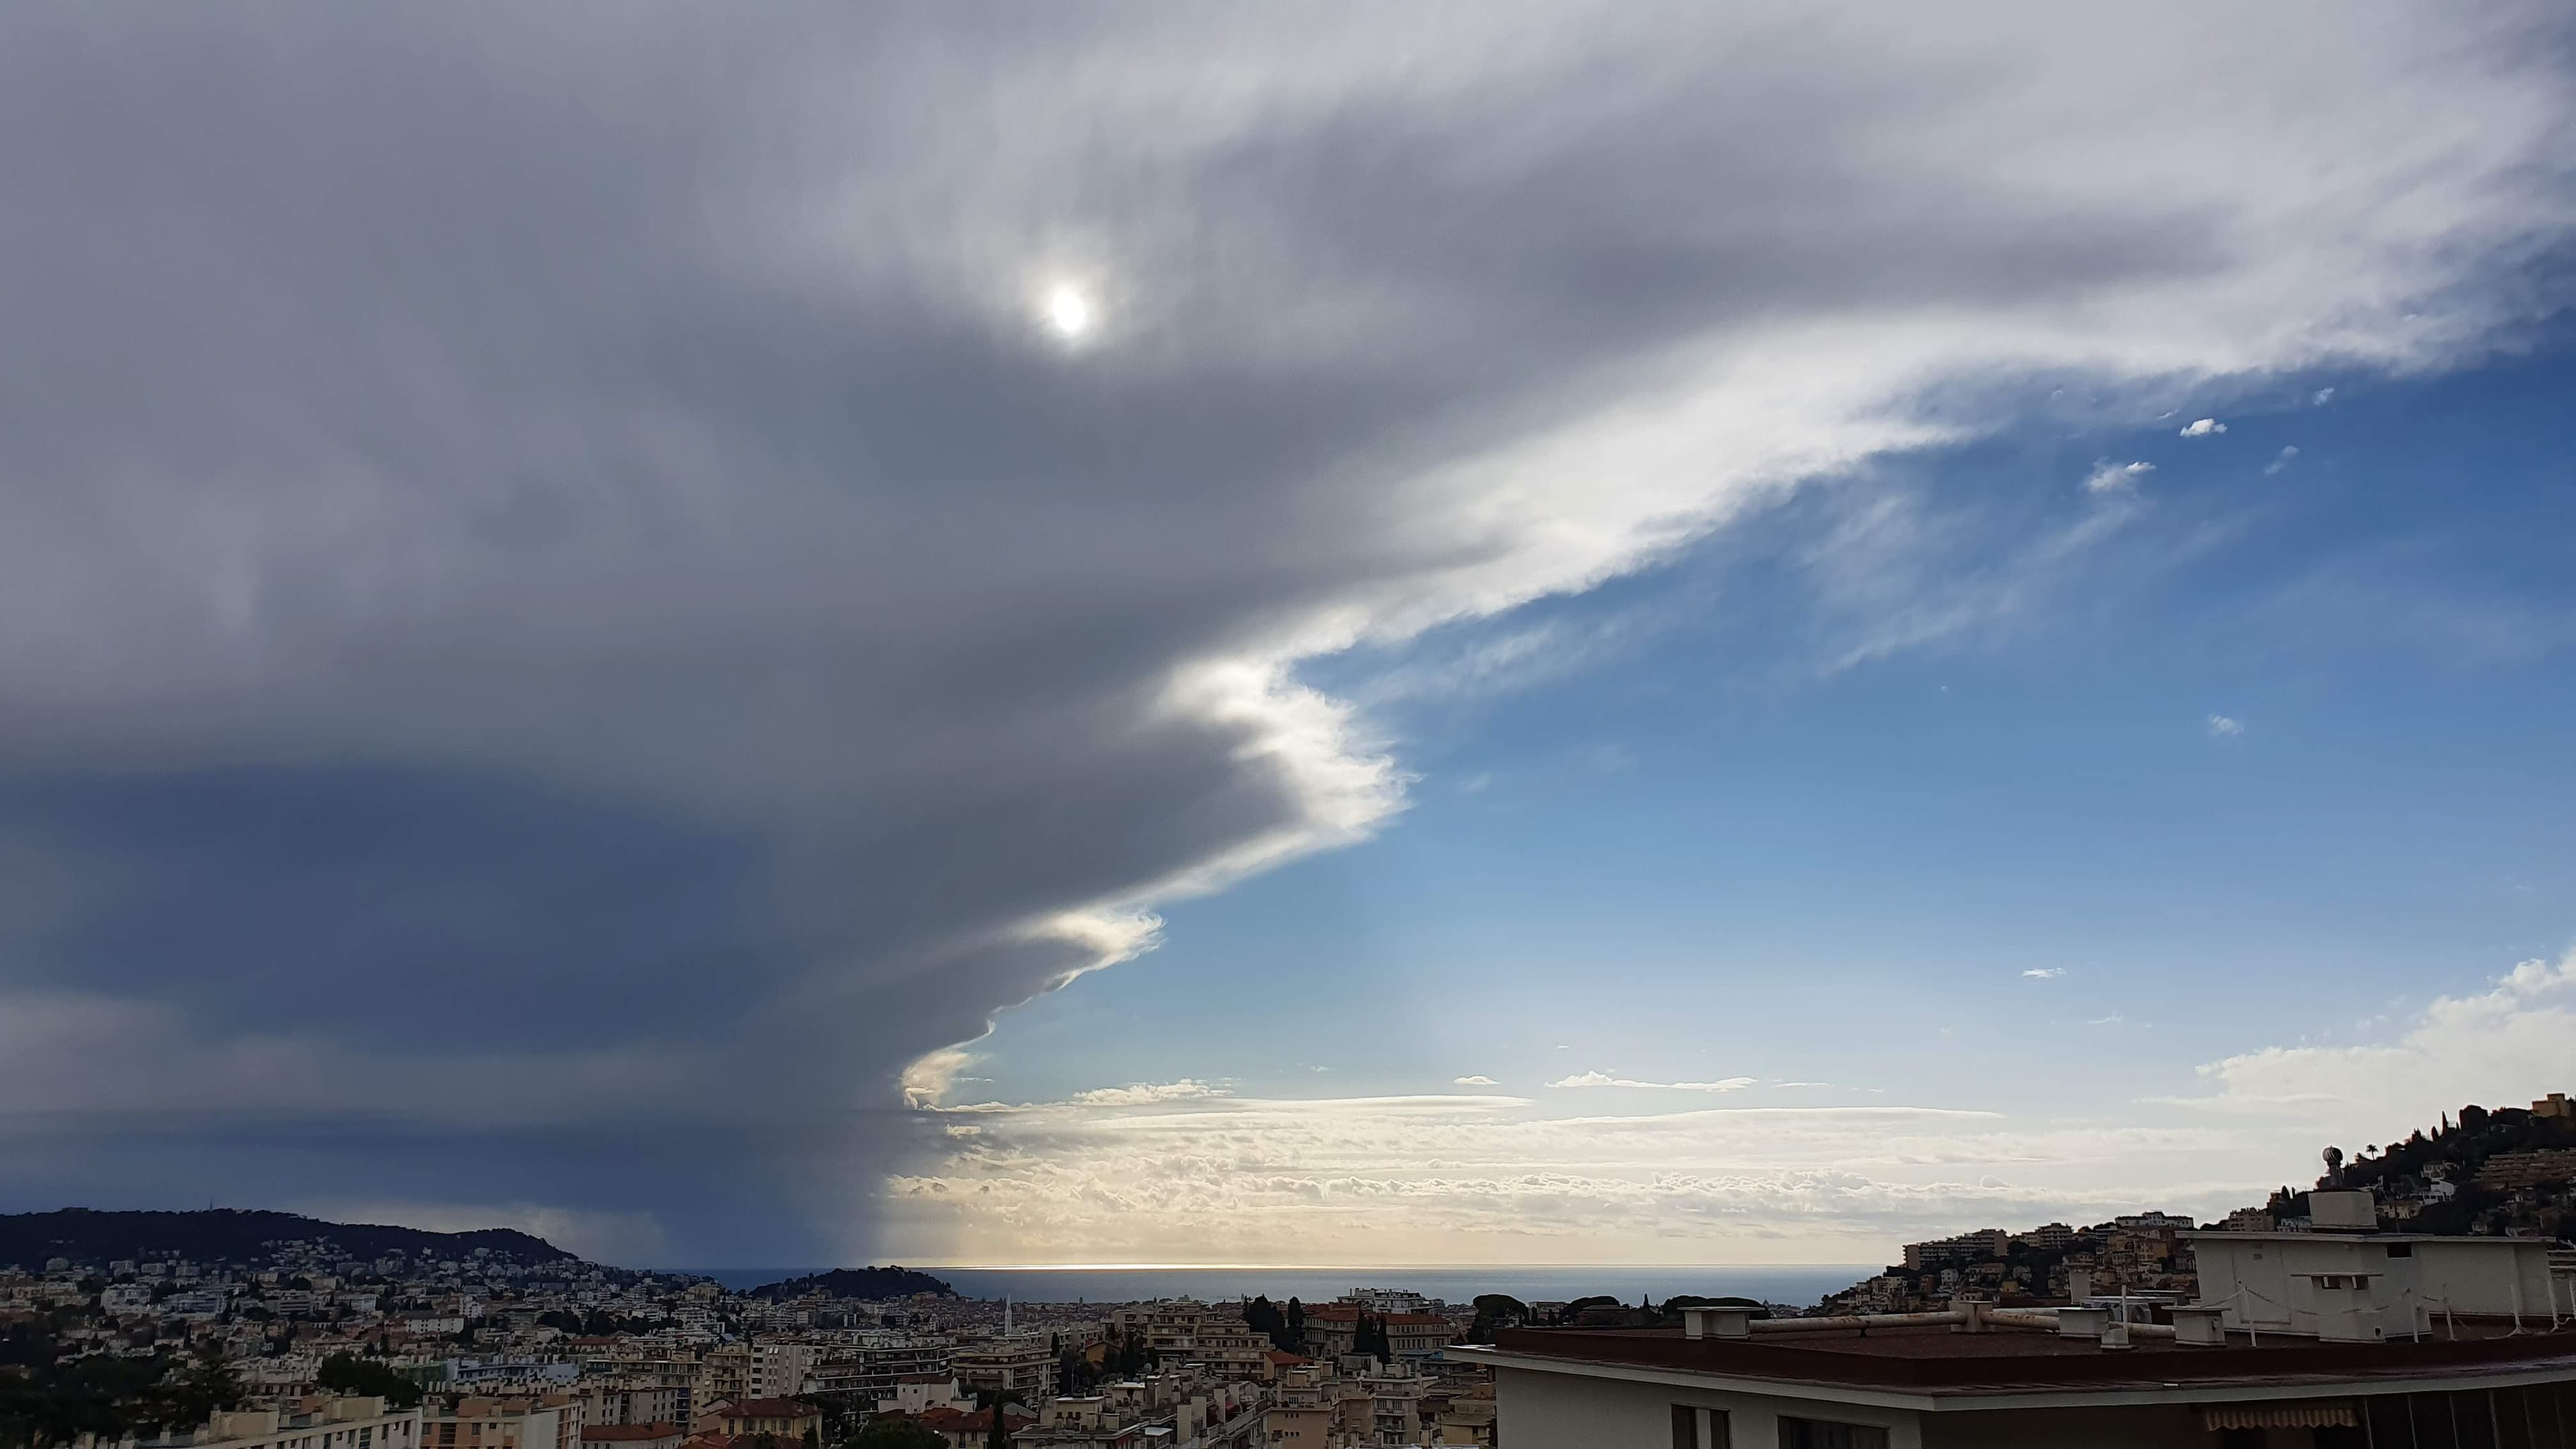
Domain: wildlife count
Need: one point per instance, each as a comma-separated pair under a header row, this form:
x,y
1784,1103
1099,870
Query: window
x,y
1821,1434
2401,1250
2333,1280
1695,1428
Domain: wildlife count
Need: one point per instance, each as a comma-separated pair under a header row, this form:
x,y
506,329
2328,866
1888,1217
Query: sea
x,y
1801,1284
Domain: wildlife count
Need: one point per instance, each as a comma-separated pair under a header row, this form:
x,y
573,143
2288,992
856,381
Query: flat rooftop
x,y
1938,1359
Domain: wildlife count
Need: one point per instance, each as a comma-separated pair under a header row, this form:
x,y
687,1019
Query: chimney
x,y
2079,1284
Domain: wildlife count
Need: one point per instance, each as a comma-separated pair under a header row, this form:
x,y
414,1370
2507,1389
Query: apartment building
x,y
782,1368
724,1372
1021,1365
477,1421
322,1421
869,1367
639,1400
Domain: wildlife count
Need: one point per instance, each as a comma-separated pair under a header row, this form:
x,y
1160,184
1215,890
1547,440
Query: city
x,y
2424,1270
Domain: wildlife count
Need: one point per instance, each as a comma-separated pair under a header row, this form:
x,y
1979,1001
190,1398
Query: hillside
x,y
2441,1181
244,1238
869,1283
2503,1171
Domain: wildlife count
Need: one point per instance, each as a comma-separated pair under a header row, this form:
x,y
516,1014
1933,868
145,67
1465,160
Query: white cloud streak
x,y
1474,1179
2109,477
1605,1079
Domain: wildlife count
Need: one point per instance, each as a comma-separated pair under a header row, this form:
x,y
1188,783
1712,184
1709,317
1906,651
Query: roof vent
x,y
1717,1323
2204,1324
2083,1322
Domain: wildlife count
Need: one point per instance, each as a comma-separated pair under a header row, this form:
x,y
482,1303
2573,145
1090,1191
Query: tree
x,y
897,1434
1493,1311
200,1392
1263,1316
1296,1327
347,1373
1370,1338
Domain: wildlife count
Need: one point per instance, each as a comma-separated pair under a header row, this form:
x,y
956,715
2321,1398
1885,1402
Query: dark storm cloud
x,y
562,611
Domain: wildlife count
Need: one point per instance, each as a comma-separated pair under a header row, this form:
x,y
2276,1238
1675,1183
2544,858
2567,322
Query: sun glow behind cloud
x,y
1070,312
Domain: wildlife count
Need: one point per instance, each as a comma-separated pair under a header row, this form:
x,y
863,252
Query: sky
x,y
1144,634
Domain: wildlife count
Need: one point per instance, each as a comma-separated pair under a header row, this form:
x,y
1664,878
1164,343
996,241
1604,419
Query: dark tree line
x,y
49,1399
347,1373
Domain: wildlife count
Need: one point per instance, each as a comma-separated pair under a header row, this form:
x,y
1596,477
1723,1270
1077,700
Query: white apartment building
x,y
782,1369
319,1422
870,1367
1390,1300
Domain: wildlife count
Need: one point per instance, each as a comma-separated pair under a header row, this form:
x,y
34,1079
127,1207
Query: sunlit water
x,y
1795,1283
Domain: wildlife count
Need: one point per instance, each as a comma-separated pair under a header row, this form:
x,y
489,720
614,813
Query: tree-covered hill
x,y
232,1235
871,1283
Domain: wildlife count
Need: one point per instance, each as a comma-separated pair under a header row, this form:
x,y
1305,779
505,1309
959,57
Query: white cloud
x,y
1889,577
1142,1094
2110,477
2204,428
2220,726
929,1076
1605,1079
1137,1094
2280,461
2323,396
2045,973
1495,1179
2500,1047
1474,1082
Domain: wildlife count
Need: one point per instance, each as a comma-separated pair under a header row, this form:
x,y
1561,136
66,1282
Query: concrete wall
x,y
2269,1283
2487,1278
2163,1426
1568,1411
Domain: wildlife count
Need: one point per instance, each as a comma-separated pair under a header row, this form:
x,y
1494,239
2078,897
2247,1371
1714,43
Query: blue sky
x,y
1526,632
1682,814
1670,828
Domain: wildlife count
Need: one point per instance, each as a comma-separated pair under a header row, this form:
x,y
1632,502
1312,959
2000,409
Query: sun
x,y
1070,313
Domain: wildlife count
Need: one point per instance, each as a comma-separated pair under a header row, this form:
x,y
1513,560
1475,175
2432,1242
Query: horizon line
x,y
1265,1267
